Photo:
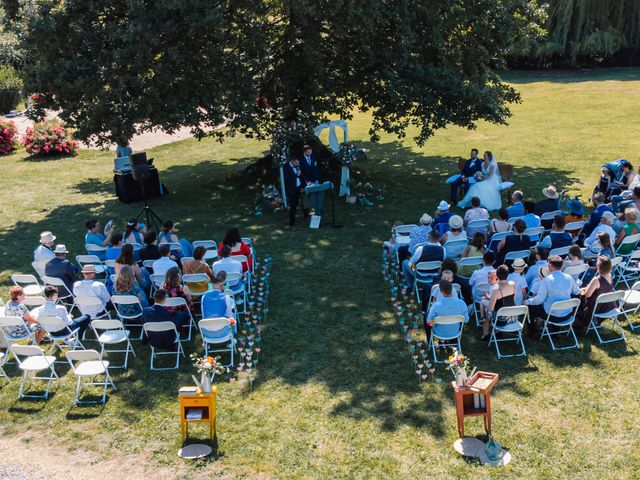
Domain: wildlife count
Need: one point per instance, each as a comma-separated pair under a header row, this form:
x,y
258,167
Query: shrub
x,y
49,138
10,88
8,137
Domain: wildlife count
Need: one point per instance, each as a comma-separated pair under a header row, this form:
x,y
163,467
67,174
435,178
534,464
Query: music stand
x,y
140,171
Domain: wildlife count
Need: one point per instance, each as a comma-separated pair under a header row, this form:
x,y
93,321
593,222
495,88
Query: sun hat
x,y
443,206
550,192
609,216
456,221
575,207
47,237
519,263
426,219
89,268
544,271
61,249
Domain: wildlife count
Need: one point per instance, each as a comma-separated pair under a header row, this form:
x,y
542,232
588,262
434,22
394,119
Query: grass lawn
x,y
336,396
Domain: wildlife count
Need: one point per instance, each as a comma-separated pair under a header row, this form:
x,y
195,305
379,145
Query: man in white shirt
x,y
51,309
164,263
606,221
480,276
226,263
44,252
89,287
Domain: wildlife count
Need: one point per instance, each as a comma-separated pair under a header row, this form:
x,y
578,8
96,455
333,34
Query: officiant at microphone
x,y
471,167
294,181
309,166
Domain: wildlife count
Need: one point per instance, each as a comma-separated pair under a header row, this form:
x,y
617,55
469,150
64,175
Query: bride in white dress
x,y
487,188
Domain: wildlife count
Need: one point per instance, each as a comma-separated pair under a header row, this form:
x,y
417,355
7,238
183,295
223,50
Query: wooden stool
x,y
481,383
204,401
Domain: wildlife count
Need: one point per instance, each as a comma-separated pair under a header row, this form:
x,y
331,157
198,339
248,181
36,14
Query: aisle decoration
x,y
367,194
347,155
268,200
207,367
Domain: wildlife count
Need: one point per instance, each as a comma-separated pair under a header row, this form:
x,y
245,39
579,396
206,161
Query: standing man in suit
x,y
294,181
471,167
309,165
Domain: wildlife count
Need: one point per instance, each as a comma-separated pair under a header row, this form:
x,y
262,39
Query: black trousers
x,y
293,206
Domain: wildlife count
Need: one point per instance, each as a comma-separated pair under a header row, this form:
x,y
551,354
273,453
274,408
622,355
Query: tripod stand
x,y
147,211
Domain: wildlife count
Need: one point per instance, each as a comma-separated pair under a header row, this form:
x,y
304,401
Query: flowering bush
x,y
49,138
8,140
36,107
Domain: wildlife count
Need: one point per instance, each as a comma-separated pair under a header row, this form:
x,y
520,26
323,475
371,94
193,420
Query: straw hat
x,y
443,206
544,271
456,222
550,192
519,263
47,237
88,268
60,249
426,219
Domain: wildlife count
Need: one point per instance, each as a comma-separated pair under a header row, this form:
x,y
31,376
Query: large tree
x,y
116,67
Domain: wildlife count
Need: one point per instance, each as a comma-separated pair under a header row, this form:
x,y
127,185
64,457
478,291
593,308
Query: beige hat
x,y
47,237
519,263
426,219
443,206
544,272
89,268
456,221
550,192
60,249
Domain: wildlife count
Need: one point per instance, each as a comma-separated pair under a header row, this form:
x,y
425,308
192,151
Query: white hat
x,y
61,249
89,268
456,221
426,219
47,237
519,263
550,192
609,216
443,206
544,272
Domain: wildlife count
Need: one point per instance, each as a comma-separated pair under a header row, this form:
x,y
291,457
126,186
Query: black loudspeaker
x,y
140,166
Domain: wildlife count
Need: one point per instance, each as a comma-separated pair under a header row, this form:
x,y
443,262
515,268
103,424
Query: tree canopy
x,y
116,67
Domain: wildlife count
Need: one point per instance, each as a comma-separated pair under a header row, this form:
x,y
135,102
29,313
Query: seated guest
x,y
480,276
198,265
628,198
604,183
475,248
626,178
238,247
573,259
594,219
549,204
126,259
542,259
16,308
420,234
52,309
61,268
601,283
530,219
89,287
126,285
503,295
168,235
485,296
442,214
606,219
174,288
44,252
501,224
629,228
164,263
448,304
557,237
431,251
215,303
226,262
447,275
134,232
449,265
517,209
518,278
576,214
115,247
158,313
454,234
95,235
554,287
150,250
514,243
476,212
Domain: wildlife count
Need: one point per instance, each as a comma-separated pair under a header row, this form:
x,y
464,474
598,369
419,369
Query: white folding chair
x,y
631,304
547,217
448,331
210,246
435,290
64,295
129,311
14,330
475,262
39,268
33,302
148,264
563,324
454,248
476,225
613,314
534,233
616,264
101,269
92,304
628,270
176,248
2,372
511,256
424,273
110,266
249,243
560,251
575,229
29,283
401,235
513,220
32,360
89,364
157,281
181,302
163,327
112,332
479,292
67,340
190,278
234,283
509,320
496,238
215,332
97,250
626,241
577,272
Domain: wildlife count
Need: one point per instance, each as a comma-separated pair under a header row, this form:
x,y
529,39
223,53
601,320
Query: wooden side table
x,y
204,401
481,383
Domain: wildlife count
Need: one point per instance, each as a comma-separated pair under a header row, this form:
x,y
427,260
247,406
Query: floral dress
x,y
16,309
178,292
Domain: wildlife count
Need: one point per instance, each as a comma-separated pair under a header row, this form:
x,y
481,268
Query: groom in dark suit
x,y
309,165
471,167
294,182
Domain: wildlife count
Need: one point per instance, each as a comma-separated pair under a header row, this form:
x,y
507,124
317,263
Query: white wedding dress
x,y
487,190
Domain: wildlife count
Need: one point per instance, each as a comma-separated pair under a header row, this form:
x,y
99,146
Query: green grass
x,y
336,396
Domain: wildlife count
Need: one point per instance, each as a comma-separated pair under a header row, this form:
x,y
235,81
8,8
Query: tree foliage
x,y
117,67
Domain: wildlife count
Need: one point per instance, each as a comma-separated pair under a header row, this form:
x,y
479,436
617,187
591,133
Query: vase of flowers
x,y
459,365
207,367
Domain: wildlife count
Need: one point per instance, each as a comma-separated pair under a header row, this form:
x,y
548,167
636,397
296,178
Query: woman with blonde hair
x,y
126,285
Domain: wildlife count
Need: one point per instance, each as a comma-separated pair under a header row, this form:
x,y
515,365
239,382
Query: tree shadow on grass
x,y
621,74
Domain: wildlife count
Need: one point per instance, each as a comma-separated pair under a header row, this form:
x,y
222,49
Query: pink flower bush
x,y
8,137
49,138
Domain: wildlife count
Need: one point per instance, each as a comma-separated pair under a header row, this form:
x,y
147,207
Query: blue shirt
x,y
444,307
420,234
94,238
515,210
533,273
443,218
532,220
123,151
557,286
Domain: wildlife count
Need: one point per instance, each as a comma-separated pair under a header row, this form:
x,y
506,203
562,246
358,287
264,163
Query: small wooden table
x,y
481,383
204,401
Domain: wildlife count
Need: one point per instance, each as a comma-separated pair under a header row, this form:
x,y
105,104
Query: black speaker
x,y
140,166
